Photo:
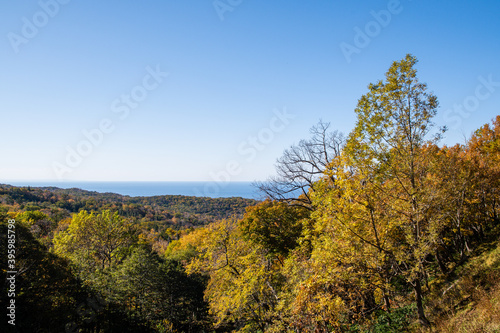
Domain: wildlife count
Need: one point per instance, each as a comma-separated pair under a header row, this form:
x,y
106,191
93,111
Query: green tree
x,y
394,121
47,293
94,242
40,223
159,291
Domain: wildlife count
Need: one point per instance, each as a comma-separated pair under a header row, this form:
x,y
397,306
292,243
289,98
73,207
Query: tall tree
x,y
353,225
394,120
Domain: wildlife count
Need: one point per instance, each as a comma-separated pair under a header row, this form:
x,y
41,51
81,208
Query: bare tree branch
x,y
302,165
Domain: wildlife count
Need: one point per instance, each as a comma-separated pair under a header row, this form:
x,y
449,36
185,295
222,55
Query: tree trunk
x,y
420,307
441,264
387,303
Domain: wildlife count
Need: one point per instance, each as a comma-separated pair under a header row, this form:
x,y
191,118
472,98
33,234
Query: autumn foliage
x,y
392,232
393,212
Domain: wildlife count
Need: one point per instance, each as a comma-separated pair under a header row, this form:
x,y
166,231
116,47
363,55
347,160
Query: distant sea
x,y
145,189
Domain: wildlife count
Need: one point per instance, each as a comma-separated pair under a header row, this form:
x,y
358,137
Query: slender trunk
x,y
417,286
387,303
441,264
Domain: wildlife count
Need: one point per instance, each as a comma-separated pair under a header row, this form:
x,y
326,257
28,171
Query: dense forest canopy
x,y
389,232
175,211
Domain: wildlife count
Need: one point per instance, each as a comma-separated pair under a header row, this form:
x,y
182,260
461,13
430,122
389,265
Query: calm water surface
x,y
134,189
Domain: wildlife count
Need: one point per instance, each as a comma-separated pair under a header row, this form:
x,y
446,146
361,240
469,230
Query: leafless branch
x,y
302,165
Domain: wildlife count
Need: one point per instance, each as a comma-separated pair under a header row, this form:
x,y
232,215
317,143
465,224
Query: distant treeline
x,y
93,262
173,211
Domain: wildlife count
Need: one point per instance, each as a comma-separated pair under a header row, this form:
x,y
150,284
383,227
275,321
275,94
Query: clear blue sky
x,y
74,66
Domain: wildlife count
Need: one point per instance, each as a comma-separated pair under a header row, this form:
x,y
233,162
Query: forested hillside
x,y
387,238
393,232
71,245
174,211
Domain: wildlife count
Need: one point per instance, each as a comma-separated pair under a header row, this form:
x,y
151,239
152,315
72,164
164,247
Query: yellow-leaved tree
x,y
376,219
243,260
94,242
